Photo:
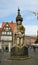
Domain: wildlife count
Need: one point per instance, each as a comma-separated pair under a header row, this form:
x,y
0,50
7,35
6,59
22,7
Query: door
x,y
6,49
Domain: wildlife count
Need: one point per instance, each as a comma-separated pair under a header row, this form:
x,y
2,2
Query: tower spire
x,y
18,11
19,18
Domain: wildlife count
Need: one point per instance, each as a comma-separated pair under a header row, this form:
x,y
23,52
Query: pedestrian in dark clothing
x,y
34,48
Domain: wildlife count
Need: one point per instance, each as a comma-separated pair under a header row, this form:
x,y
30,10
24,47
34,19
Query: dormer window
x,y
6,24
6,29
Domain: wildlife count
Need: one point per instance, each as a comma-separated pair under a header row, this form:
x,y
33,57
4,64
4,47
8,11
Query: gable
x,y
6,27
10,25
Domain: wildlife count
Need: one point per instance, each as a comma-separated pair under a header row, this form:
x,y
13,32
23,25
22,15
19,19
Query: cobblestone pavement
x,y
32,61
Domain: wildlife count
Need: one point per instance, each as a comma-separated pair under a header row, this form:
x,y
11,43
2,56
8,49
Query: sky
x,y
8,13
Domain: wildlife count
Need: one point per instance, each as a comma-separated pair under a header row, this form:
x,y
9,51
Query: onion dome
x,y
19,18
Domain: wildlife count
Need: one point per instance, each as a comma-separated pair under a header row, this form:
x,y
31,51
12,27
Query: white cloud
x,y
31,30
10,6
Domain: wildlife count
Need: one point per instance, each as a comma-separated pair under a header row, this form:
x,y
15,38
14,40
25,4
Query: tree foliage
x,y
36,41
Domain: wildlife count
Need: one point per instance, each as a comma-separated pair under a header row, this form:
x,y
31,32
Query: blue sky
x,y
8,12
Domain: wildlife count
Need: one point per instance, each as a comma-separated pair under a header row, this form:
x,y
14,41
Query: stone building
x,y
6,35
30,39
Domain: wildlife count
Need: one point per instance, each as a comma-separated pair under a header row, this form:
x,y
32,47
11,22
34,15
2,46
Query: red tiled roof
x,y
3,24
31,37
12,25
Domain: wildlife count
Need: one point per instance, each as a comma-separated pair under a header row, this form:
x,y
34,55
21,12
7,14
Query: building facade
x,y
6,36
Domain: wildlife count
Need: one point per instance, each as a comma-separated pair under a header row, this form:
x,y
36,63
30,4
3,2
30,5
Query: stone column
x,y
9,47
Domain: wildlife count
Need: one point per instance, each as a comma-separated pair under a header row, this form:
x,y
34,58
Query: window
x,y
6,24
6,28
6,38
3,32
9,33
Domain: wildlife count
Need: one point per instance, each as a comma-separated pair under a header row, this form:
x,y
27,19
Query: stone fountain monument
x,y
19,46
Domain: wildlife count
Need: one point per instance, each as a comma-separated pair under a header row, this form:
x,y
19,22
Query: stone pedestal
x,y
16,51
